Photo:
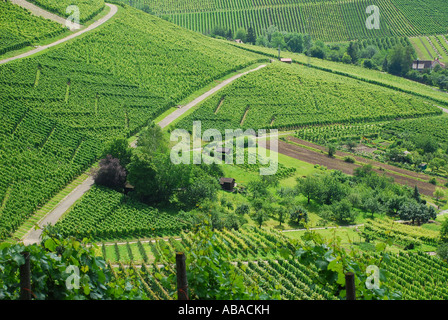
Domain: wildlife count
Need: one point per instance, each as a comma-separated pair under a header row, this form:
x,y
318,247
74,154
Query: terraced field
x,y
106,84
32,28
325,20
289,96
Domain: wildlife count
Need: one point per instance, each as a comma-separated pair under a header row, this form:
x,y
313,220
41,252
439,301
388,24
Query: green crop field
x,y
289,96
334,20
105,214
87,8
65,108
96,92
32,28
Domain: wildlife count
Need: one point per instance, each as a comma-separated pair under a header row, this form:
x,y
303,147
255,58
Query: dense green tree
x,y
152,140
295,42
241,34
119,148
251,37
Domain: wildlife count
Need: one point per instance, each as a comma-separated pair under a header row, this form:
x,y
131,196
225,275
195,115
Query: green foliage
x,y
53,276
32,28
327,21
87,9
274,93
333,262
107,214
212,276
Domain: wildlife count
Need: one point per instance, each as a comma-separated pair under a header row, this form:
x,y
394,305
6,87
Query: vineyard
x,y
382,79
32,28
435,127
400,234
286,97
106,214
87,8
61,106
38,157
325,20
254,251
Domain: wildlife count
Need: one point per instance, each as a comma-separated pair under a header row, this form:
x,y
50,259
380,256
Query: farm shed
x,y
286,60
227,183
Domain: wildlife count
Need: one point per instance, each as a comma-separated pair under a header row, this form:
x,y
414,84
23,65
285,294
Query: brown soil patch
x,y
322,159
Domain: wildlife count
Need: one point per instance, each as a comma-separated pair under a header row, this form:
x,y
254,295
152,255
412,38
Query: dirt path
x,y
385,166
112,12
38,11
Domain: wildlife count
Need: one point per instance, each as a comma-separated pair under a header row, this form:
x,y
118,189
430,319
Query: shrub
x,y
349,159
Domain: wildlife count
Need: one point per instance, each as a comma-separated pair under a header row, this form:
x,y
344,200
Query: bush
x,y
349,159
442,251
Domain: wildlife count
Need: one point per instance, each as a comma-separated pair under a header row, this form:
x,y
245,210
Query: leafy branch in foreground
x,y
333,262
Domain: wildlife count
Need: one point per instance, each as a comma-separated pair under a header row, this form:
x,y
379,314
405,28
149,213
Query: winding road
x,y
112,12
34,235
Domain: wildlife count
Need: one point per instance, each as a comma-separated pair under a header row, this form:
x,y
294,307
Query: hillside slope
x,y
327,20
105,84
19,28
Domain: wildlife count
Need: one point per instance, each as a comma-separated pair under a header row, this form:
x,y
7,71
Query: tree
x,y
119,148
416,194
152,140
439,194
416,212
317,52
202,187
295,43
229,34
342,211
110,173
241,34
444,231
331,150
353,51
309,187
436,163
155,178
297,214
346,58
251,37
281,214
261,216
278,40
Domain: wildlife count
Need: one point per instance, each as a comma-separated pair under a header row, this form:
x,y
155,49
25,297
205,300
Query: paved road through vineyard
x,y
33,236
112,12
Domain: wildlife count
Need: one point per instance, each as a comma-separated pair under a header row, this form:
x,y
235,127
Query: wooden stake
x,y
25,278
350,286
181,270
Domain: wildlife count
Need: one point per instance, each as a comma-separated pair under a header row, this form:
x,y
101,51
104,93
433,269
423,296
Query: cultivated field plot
x,y
32,28
289,96
325,20
416,275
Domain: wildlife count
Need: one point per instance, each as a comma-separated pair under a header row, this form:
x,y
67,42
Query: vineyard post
x,y
181,270
350,286
25,278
